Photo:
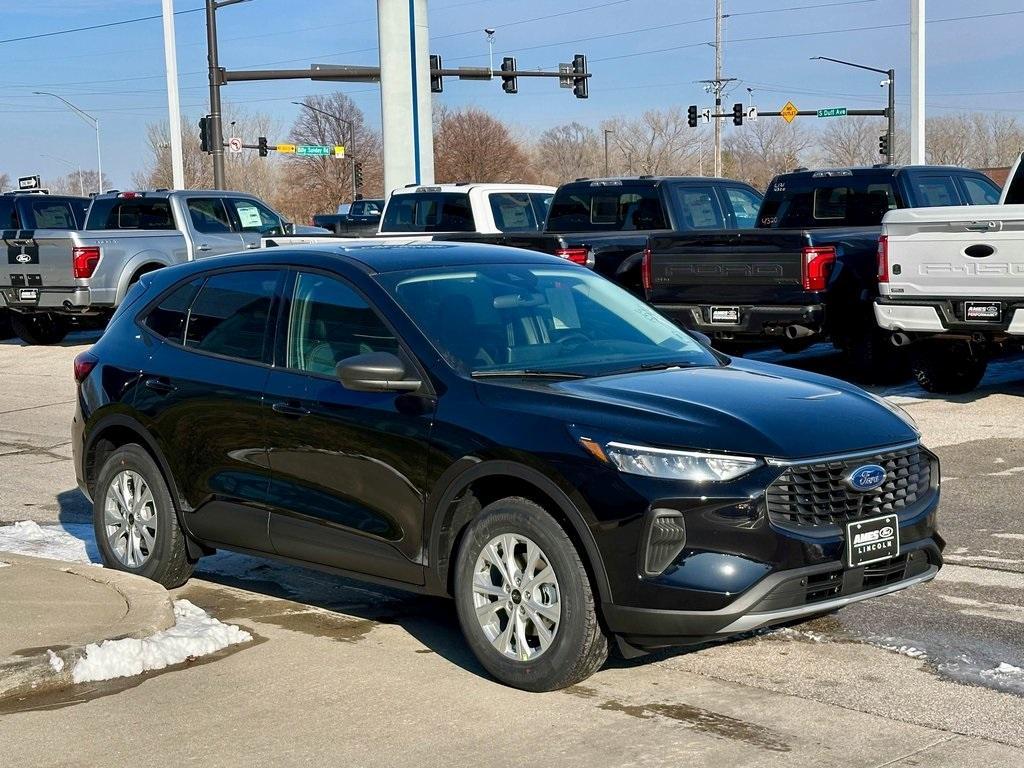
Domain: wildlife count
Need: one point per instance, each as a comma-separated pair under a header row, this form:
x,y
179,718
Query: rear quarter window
x,y
842,201
429,212
605,207
518,211
168,318
131,213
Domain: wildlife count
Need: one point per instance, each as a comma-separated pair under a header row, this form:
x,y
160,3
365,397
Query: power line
x,y
95,26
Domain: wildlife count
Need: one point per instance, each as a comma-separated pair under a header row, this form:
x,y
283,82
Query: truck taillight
x,y
575,255
883,259
84,363
645,270
817,265
85,260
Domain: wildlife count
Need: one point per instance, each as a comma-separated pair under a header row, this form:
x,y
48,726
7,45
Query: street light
x,y
96,126
890,112
69,164
606,132
351,149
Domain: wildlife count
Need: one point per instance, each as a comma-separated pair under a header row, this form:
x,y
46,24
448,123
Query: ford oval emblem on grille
x,y
866,478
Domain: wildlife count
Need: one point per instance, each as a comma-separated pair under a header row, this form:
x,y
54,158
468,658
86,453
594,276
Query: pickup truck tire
x,y
948,369
5,324
39,328
872,358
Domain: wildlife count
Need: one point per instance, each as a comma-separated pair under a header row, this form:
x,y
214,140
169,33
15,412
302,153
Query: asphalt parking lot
x,y
342,672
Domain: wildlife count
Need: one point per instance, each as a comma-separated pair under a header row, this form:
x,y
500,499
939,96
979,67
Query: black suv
x,y
496,425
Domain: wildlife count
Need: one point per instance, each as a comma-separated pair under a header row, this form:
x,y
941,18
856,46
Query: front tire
x,y
948,368
136,525
524,599
40,328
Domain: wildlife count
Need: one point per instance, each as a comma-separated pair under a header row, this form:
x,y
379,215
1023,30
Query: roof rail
x,y
582,178
646,176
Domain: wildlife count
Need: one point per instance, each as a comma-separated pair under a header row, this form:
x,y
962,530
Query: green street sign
x,y
832,112
313,149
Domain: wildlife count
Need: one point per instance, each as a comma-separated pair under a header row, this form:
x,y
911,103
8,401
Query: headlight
x,y
678,465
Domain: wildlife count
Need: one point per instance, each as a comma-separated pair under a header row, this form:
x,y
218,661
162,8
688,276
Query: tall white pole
x,y
718,87
99,160
917,70
173,104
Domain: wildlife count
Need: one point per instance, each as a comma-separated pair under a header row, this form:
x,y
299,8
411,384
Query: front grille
x,y
817,494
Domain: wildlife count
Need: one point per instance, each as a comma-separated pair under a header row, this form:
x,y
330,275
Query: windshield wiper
x,y
652,367
530,372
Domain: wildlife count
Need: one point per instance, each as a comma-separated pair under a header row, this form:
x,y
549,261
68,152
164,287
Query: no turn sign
x,y
234,144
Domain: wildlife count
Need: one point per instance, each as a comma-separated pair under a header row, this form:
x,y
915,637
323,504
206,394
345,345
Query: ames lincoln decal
x,y
866,478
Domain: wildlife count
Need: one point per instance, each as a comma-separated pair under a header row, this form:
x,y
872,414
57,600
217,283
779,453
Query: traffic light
x,y
579,81
737,113
206,134
262,142
691,116
883,144
357,174
509,83
436,81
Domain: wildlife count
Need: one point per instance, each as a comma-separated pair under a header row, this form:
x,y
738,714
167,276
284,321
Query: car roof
x,y
375,258
467,186
862,170
649,181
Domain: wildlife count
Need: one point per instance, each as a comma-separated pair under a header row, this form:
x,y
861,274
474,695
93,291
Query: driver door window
x,y
254,220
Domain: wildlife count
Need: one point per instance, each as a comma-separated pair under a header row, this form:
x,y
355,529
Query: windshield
x,y
506,318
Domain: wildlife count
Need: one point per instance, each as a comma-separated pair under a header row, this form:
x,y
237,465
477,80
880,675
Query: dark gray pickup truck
x,y
808,270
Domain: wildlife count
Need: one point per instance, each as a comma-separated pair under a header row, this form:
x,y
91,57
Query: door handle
x,y
290,409
203,247
160,386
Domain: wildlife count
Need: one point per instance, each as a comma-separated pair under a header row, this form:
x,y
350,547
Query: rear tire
x,y
136,525
5,324
569,645
872,358
40,328
948,368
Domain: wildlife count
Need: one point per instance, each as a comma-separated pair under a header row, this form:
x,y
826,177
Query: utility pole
x,y
606,132
173,104
718,87
917,66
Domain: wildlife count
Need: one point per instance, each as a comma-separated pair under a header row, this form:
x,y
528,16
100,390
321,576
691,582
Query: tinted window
x,y
366,208
429,212
698,207
980,191
51,214
935,190
8,214
330,322
253,216
519,211
131,213
606,207
208,215
745,205
229,316
854,201
168,318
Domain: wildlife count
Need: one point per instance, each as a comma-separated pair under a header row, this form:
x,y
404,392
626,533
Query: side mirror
x,y
375,372
289,228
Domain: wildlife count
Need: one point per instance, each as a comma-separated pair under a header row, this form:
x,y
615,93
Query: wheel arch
x,y
138,265
471,484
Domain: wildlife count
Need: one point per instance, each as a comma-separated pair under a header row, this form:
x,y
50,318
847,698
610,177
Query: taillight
x,y
883,259
575,255
84,363
85,260
645,270
817,265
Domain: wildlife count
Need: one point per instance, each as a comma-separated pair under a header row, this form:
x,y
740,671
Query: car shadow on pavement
x,y
74,507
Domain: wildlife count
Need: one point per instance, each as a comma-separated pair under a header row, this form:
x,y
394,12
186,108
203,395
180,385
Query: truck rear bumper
x,y
767,323
45,299
932,316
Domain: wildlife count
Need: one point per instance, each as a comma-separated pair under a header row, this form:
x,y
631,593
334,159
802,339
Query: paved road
x,y
346,672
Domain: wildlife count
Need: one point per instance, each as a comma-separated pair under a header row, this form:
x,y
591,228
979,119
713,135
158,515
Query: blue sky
x,y
643,54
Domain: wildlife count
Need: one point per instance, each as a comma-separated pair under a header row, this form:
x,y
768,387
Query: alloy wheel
x,y
130,518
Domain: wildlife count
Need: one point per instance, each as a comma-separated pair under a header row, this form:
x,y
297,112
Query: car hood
x,y
743,407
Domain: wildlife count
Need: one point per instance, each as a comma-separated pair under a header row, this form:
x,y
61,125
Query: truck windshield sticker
x,y
249,216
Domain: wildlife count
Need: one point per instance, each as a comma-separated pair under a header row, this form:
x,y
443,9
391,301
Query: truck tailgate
x,y
35,261
738,267
955,251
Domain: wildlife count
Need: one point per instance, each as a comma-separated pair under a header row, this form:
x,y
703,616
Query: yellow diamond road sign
x,y
789,112
339,151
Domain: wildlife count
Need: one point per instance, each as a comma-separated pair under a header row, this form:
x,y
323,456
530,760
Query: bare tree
x,y
80,182
851,141
659,142
5,182
760,150
567,152
472,145
978,139
324,182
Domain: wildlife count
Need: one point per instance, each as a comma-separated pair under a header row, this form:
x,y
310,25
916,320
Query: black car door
x,y
210,342
348,468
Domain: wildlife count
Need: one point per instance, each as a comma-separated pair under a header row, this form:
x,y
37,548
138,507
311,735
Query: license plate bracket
x,y
28,294
983,311
873,540
725,315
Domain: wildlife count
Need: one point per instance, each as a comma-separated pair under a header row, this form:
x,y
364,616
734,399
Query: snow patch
x,y
56,662
72,542
195,633
797,634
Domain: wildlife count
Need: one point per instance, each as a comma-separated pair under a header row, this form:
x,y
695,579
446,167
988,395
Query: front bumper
x,y
756,322
937,315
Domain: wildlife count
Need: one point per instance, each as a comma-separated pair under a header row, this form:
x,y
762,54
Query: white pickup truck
x,y
951,285
53,275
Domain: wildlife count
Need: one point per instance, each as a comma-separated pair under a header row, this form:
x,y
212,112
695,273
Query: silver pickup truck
x,y
53,275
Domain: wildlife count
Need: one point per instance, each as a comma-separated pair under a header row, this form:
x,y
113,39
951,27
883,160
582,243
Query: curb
x,y
149,610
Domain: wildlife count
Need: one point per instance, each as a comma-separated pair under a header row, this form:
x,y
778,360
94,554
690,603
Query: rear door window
x,y
610,207
698,207
519,211
745,204
980,190
429,212
8,213
231,314
935,190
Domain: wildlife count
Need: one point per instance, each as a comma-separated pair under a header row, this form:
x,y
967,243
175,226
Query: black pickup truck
x,y
808,270
607,224
362,218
